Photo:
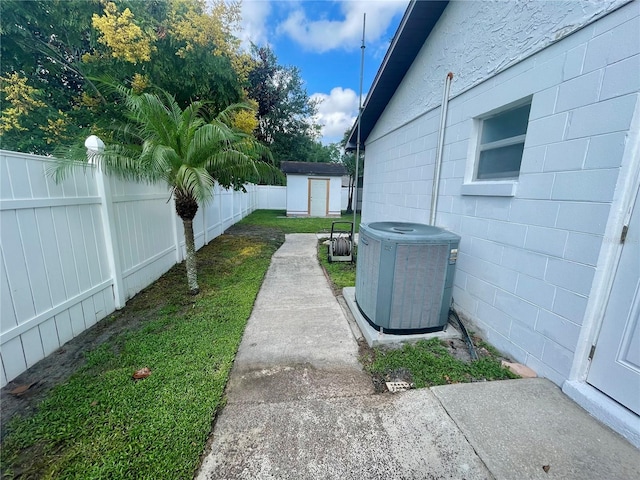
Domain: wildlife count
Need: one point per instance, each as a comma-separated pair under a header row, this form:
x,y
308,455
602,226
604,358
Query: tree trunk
x,y
186,208
192,271
350,196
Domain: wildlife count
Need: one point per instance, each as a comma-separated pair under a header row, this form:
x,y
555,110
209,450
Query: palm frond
x,y
197,182
67,159
154,118
249,146
207,141
160,161
162,142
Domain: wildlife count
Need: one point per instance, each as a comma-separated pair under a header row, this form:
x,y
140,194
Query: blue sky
x,y
323,38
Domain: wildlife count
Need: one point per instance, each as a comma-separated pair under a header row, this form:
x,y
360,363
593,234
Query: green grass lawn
x,y
278,219
341,274
103,424
429,363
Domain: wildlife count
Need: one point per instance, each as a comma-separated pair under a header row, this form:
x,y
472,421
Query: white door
x,y
318,197
615,367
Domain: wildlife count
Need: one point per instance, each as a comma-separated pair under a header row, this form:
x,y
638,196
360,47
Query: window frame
x,y
496,186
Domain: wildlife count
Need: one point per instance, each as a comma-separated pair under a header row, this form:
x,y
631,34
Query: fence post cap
x,y
94,143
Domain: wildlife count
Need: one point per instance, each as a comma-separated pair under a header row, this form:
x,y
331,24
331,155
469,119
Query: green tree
x,y
301,148
161,142
41,42
60,47
285,111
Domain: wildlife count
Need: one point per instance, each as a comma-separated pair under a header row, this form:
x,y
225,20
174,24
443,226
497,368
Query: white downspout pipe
x,y
438,162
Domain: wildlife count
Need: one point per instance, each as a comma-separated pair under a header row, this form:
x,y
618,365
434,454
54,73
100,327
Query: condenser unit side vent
x,y
418,283
370,267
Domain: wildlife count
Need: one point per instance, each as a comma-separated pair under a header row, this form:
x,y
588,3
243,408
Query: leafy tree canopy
x,y
52,50
285,111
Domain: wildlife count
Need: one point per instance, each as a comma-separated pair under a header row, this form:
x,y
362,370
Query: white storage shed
x,y
313,189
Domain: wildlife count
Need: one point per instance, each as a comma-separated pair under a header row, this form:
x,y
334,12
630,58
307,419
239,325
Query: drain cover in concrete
x,y
395,387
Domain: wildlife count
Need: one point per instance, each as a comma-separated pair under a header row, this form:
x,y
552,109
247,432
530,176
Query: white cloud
x,y
337,112
317,30
253,26
325,35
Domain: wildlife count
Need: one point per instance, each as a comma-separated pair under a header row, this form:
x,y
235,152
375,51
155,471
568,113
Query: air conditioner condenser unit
x,y
404,276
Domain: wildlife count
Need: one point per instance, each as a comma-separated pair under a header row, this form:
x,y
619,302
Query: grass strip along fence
x,y
102,423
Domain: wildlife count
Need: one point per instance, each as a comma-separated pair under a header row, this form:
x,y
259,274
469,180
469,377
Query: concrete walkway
x,y
299,406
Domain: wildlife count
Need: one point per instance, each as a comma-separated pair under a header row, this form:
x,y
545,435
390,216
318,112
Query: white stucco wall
x,y
527,262
478,39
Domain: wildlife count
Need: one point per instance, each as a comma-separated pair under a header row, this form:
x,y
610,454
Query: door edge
x,y
623,201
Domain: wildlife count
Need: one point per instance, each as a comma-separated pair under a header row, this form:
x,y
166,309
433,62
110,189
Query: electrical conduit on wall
x,y
438,162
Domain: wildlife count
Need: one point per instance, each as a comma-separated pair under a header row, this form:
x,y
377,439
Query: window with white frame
x,y
501,143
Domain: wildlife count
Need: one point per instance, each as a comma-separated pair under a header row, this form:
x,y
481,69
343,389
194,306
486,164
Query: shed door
x,y
615,368
318,197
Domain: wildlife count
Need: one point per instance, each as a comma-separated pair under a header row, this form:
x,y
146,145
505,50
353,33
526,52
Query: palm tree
x,y
160,142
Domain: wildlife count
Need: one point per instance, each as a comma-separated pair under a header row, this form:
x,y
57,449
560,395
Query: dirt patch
x,y
273,236
61,364
366,354
458,349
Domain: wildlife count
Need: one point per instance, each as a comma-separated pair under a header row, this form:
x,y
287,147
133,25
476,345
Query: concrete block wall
x,y
527,261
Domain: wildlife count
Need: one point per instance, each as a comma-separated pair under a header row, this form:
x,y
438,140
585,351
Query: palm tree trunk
x,y
192,271
186,208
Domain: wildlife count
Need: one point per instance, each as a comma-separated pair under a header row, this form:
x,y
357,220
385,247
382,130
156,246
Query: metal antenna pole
x,y
355,190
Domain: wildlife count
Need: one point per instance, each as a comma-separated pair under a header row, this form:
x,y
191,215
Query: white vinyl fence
x,y
72,253
272,197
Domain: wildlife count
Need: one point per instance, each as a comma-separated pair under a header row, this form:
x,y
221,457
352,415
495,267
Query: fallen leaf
x,y
546,468
94,403
20,389
142,373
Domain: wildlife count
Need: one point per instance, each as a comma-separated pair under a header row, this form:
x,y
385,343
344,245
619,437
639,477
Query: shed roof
x,y
313,168
416,25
